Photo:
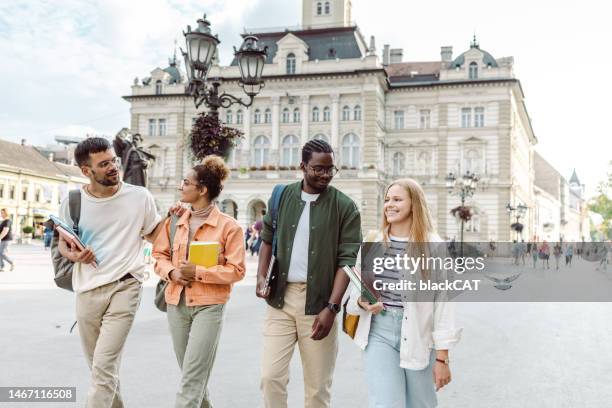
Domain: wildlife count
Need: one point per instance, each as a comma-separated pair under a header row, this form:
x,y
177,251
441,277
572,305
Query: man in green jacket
x,y
318,233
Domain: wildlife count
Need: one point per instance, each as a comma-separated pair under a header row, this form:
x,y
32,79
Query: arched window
x,y
399,163
291,64
326,114
285,117
473,70
268,116
319,8
296,115
257,116
158,87
357,113
228,117
346,113
290,151
472,161
315,114
350,150
320,136
239,117
423,163
327,11
261,151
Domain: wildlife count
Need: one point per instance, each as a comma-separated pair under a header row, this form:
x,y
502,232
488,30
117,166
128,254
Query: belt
x,y
126,277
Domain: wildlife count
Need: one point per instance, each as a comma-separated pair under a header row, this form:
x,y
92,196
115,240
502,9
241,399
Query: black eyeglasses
x,y
321,170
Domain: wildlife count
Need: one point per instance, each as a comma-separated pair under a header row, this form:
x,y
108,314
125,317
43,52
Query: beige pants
x,y
105,316
282,329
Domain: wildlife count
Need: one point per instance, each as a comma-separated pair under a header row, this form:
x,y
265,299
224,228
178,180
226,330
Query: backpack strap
x,y
74,206
173,220
277,192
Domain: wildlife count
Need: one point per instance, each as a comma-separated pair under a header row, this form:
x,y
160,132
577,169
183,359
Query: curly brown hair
x,y
212,172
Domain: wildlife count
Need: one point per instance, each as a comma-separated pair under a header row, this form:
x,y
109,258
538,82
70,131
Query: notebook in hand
x,y
203,253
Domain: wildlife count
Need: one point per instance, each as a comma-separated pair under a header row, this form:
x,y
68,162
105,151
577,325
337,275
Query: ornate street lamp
x,y
464,188
520,210
201,50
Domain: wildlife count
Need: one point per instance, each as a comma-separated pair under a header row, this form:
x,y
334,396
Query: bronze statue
x,y
134,158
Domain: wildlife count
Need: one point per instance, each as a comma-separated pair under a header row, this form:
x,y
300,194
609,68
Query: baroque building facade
x,y
384,118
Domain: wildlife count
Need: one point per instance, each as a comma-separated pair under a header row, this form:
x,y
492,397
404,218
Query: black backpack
x,y
62,267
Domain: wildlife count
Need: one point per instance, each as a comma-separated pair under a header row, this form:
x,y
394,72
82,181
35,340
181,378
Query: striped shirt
x,y
396,246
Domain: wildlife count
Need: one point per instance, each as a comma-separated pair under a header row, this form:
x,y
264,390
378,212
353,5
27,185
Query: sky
x,y
66,63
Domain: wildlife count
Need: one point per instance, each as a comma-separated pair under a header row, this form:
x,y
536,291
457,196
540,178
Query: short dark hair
x,y
90,146
315,146
211,173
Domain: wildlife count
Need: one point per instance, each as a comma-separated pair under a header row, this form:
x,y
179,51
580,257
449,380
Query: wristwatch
x,y
445,361
334,307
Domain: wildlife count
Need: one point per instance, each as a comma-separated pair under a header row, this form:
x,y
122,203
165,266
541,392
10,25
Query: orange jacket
x,y
212,285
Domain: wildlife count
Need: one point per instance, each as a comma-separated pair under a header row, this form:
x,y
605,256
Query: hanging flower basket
x,y
517,226
209,136
462,212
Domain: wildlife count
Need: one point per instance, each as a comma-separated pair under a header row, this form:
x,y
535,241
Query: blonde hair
x,y
421,227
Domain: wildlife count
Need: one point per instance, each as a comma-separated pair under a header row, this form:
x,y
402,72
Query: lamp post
x,y
201,49
463,187
520,211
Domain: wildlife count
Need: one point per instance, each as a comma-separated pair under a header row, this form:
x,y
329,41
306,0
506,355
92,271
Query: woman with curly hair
x,y
196,295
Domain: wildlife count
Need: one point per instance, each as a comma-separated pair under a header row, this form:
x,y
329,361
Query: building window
x,y
239,117
285,117
315,114
257,116
290,151
319,8
158,87
326,114
1,190
425,119
261,151
320,136
39,196
228,117
11,192
268,116
466,117
473,70
472,161
398,119
423,162
346,113
357,113
399,163
350,150
327,10
291,64
479,117
24,194
162,127
152,127
296,115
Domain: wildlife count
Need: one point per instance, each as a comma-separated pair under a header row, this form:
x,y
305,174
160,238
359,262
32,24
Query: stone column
x,y
335,118
305,118
275,129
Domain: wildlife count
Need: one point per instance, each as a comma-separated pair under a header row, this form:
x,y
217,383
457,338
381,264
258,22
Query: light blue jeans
x,y
389,385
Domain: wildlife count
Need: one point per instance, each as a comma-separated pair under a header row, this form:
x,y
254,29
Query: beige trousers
x,y
282,329
105,316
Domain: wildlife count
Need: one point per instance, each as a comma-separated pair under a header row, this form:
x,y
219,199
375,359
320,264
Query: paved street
x,y
511,355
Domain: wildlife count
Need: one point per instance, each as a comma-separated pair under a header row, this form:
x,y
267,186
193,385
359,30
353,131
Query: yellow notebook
x,y
203,253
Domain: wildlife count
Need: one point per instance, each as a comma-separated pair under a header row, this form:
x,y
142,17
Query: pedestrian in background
x,y
6,236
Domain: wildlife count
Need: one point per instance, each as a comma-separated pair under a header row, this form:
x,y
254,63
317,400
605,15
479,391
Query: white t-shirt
x,y
298,266
112,227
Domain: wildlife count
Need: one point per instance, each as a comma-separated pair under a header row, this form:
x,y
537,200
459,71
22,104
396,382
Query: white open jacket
x,y
425,325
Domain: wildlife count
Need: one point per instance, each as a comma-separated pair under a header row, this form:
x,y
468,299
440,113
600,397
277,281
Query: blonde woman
x,y
405,349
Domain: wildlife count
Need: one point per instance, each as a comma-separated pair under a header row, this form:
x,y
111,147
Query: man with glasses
x,y
318,233
108,274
